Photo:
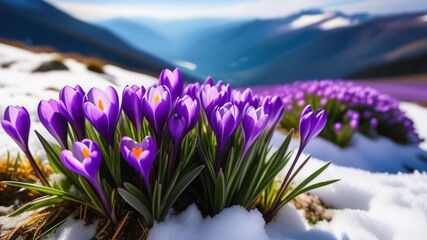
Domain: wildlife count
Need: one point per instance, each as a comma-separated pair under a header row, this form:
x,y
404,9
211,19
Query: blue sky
x,y
94,10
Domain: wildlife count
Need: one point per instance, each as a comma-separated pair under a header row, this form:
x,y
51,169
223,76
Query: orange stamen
x,y
157,98
137,152
100,105
86,152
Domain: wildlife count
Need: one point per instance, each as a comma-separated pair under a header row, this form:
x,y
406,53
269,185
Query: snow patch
x,y
307,20
232,223
376,155
423,18
418,115
337,22
367,206
75,229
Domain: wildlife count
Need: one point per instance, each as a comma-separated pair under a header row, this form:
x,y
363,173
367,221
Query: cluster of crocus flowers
x,y
154,143
352,108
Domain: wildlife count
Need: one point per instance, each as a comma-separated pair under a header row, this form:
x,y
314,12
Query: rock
x,y
53,65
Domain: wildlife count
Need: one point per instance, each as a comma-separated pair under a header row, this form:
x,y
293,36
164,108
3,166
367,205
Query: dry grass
x,y
18,170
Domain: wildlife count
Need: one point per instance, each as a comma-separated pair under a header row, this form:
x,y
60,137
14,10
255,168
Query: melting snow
x,y
307,20
423,18
367,206
337,22
74,229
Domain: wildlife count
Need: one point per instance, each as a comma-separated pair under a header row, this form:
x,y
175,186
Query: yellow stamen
x,y
86,152
100,105
137,152
157,98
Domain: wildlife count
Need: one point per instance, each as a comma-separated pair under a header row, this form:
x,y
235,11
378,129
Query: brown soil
x,y
314,209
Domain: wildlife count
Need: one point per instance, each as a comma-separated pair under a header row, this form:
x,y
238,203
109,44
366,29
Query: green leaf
x,y
181,185
137,193
136,204
307,181
91,194
37,203
309,188
54,161
38,188
220,194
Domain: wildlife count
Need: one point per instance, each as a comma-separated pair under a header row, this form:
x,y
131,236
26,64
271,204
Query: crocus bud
x,y
184,118
173,81
16,124
254,122
224,121
156,105
53,120
140,156
337,127
354,124
102,109
242,99
132,104
71,107
192,90
373,122
311,124
210,97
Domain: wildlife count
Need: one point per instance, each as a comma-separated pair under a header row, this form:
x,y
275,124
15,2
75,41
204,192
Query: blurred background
x,y
382,43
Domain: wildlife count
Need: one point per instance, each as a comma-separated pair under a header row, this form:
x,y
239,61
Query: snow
x,y
423,18
375,155
337,22
307,20
233,223
18,86
367,206
74,229
418,114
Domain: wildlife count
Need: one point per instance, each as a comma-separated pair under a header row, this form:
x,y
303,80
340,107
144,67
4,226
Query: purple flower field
x,y
351,107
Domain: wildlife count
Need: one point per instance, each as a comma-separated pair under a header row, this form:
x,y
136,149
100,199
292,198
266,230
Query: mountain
x,y
235,53
139,36
38,23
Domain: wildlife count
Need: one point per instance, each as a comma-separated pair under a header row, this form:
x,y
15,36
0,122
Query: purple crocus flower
x,y
337,127
192,90
85,159
172,80
71,107
16,123
156,105
209,81
184,118
373,122
242,99
354,124
53,120
224,121
140,156
311,124
274,107
132,104
254,122
102,109
211,96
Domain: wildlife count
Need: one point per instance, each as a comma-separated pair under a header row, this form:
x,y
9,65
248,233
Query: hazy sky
x,y
93,10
